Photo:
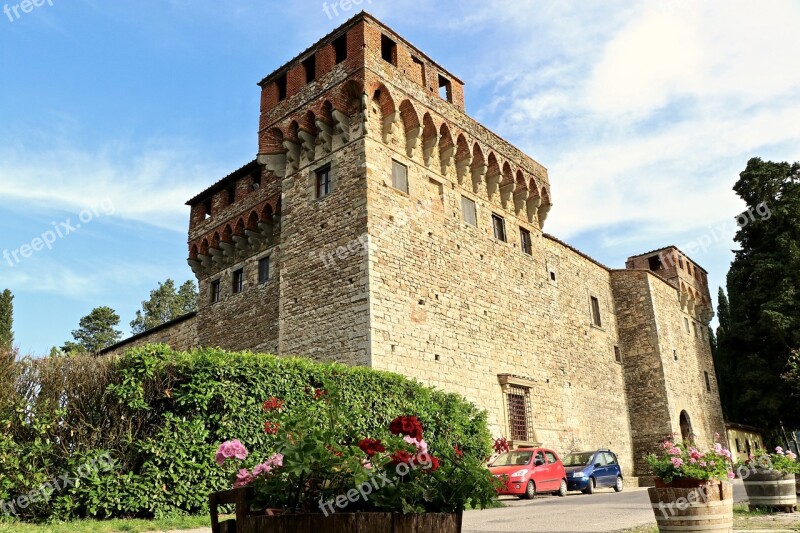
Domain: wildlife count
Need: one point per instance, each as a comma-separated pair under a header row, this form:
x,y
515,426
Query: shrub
x,y
160,415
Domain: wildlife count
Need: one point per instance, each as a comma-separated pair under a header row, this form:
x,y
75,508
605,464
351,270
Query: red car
x,y
528,471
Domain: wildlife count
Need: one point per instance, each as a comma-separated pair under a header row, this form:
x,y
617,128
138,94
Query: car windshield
x,y
513,459
578,459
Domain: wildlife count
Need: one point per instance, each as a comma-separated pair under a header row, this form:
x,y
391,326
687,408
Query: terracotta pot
x,y
770,488
696,506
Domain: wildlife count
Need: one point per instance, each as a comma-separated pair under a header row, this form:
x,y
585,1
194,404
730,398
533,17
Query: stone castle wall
x,y
180,334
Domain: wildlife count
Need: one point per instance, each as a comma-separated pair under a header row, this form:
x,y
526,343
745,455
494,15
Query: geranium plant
x,y
780,460
681,460
329,468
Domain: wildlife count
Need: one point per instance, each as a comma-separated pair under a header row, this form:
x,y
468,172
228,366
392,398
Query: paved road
x,y
604,511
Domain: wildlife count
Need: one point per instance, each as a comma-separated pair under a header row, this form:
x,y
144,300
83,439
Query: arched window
x,y
686,427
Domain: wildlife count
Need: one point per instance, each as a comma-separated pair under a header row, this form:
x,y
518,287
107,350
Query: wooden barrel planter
x,y
768,488
692,505
249,522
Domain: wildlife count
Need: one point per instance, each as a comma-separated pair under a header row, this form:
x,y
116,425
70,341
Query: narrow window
x,y
340,48
708,382
263,270
231,191
238,281
552,276
207,208
445,88
323,182
675,354
281,84
525,241
421,69
686,323
596,312
499,226
256,182
216,293
388,50
738,446
694,325
680,262
617,355
468,212
655,263
519,421
310,68
400,176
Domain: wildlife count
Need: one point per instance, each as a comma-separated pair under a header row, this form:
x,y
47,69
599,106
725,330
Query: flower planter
x,y
797,485
770,488
249,522
690,505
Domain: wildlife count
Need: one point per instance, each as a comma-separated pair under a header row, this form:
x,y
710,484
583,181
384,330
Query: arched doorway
x,y
686,427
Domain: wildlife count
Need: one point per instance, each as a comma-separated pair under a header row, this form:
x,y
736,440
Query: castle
x,y
379,225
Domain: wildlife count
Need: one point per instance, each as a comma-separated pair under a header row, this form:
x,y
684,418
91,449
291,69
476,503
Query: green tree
x,y
97,331
764,291
722,352
165,304
6,322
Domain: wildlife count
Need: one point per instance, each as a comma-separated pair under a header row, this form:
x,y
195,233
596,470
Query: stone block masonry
x,y
399,233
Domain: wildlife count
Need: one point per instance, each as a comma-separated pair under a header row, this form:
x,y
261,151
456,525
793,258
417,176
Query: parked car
x,y
528,471
587,471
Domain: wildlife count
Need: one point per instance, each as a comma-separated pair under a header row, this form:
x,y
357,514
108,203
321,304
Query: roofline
x,y
734,425
156,329
221,184
569,246
363,15
667,248
647,271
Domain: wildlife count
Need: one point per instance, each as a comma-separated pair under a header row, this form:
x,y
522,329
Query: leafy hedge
x,y
161,414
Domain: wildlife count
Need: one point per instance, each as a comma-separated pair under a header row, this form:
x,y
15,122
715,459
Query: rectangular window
x,y
525,241
216,293
231,194
468,212
596,312
499,227
445,88
310,68
421,68
340,48
519,413
256,182
263,270
388,50
738,446
694,325
686,323
238,281
281,84
400,176
654,263
680,262
207,208
617,355
708,381
323,182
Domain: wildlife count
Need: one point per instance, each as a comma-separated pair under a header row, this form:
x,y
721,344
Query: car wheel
x,y
562,491
619,485
530,491
590,487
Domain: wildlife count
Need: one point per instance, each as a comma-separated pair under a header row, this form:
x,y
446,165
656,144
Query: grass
x,y
110,526
763,519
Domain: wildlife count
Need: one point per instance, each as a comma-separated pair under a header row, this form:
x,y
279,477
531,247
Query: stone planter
x,y
769,488
248,522
691,505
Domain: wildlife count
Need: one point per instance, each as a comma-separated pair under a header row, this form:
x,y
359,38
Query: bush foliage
x,y
161,415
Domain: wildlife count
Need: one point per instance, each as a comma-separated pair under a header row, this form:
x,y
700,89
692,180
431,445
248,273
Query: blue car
x,y
587,471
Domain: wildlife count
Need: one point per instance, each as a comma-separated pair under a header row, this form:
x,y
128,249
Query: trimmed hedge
x,y
161,414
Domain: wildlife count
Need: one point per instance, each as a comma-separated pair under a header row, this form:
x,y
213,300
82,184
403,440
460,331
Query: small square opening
x,y
310,68
654,263
445,89
388,50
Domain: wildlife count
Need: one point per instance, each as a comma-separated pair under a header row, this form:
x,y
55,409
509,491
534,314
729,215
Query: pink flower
x,y
421,445
276,460
668,444
718,448
677,462
791,455
243,478
731,475
230,450
260,470
712,463
695,453
703,464
779,450
692,460
675,451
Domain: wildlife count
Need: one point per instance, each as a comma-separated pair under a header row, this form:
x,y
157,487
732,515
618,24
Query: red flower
x,y
273,404
501,445
407,425
371,446
334,451
319,393
458,451
271,428
435,463
400,456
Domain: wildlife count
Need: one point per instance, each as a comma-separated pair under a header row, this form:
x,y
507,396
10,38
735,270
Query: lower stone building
x,y
380,225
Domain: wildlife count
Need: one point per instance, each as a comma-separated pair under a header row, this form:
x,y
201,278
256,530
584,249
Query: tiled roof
x,y
227,180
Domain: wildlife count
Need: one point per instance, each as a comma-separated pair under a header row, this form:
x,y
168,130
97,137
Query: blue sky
x,y
117,113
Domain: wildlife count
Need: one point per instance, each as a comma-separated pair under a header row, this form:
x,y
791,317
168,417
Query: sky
x,y
113,114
